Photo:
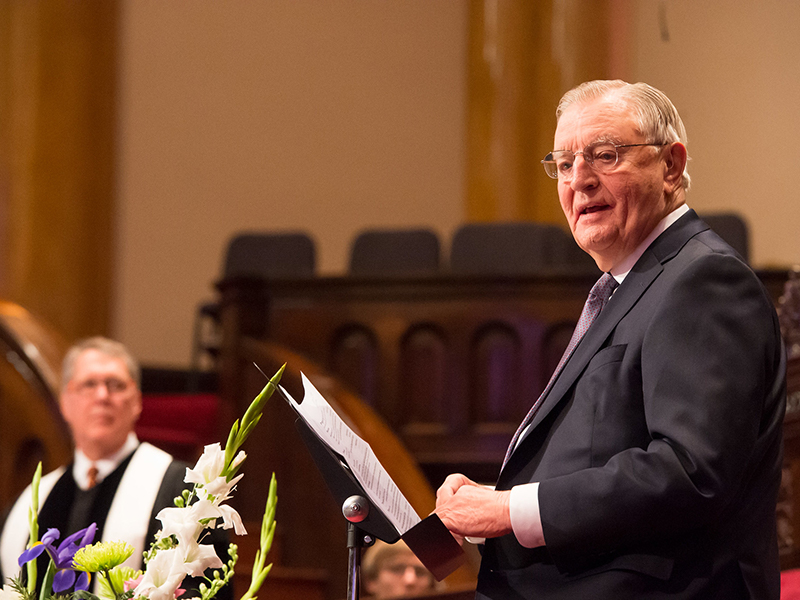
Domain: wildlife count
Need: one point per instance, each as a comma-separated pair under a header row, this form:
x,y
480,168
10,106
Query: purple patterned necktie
x,y
597,299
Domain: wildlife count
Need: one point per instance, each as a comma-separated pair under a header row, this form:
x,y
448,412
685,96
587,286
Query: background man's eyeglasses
x,y
114,385
601,156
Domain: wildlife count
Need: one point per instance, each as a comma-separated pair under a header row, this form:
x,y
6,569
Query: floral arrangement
x,y
176,551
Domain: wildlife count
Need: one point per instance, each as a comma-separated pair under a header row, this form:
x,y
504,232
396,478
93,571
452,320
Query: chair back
x,y
258,255
270,255
732,228
395,252
515,248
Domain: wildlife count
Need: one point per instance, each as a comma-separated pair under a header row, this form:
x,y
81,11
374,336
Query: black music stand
x,y
429,539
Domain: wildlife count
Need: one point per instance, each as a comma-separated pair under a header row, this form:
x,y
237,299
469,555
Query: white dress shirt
x,y
105,466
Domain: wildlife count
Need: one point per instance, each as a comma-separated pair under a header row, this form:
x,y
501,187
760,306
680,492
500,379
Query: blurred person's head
x,y
100,396
393,570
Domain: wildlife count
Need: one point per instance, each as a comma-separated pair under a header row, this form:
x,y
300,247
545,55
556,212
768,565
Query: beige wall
x,y
288,114
337,115
733,70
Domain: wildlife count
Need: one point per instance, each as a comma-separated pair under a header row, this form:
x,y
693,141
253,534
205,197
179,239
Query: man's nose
x,y
102,390
410,575
583,174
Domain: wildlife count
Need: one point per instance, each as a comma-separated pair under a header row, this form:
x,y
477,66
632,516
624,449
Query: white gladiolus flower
x,y
208,471
163,576
231,518
209,466
220,490
183,523
198,557
176,551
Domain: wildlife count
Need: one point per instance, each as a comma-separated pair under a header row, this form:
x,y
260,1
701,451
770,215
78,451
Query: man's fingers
x,y
450,486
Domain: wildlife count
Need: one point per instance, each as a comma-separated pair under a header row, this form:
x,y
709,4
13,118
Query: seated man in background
x,y
114,480
393,571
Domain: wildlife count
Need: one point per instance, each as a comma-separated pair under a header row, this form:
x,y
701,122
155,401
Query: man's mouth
x,y
594,208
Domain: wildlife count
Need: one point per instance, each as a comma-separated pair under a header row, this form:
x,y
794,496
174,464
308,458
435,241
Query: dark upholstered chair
x,y
262,255
395,252
270,255
517,248
732,228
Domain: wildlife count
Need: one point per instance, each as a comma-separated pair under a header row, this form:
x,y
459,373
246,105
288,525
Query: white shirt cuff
x,y
526,522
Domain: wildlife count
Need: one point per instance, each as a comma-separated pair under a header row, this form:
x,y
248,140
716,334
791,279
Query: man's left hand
x,y
470,509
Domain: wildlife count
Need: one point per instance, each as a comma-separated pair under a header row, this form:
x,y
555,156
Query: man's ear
x,y
674,164
138,405
62,405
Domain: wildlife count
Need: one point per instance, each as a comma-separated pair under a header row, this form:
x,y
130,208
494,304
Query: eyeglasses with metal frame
x,y
89,387
600,156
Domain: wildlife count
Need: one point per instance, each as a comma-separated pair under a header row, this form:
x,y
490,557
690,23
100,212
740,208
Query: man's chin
x,y
594,241
106,439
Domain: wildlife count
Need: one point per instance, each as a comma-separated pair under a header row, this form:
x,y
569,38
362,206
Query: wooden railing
x,y
31,427
451,364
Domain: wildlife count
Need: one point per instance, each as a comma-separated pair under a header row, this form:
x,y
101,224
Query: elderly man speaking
x,y
649,466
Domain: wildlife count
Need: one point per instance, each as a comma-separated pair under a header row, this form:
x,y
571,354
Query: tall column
x,y
523,56
57,119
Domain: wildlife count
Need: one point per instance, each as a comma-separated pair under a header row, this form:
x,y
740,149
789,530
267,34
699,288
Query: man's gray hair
x,y
656,117
105,346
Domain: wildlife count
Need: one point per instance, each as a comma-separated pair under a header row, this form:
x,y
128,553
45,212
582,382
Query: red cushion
x,y
179,423
790,584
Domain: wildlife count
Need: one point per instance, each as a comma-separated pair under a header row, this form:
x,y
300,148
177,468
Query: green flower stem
x,y
106,574
207,592
33,525
260,572
241,431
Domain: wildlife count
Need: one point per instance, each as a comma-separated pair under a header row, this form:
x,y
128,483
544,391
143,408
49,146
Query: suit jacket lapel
x,y
644,272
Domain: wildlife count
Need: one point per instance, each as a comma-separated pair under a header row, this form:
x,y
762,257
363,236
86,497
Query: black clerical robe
x,y
123,505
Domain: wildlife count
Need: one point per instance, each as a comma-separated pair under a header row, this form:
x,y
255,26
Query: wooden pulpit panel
x,y
451,363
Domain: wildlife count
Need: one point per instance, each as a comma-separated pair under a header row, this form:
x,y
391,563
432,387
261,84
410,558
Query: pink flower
x,y
132,583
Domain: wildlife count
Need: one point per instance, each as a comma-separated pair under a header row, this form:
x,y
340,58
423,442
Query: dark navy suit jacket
x,y
659,447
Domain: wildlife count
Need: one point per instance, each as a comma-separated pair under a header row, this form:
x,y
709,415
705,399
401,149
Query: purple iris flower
x,y
61,556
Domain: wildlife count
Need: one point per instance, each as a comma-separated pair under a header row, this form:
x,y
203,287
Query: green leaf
x,y
231,443
47,584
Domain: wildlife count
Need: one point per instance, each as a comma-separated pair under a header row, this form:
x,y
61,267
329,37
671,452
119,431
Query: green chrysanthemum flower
x,y
115,584
102,556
